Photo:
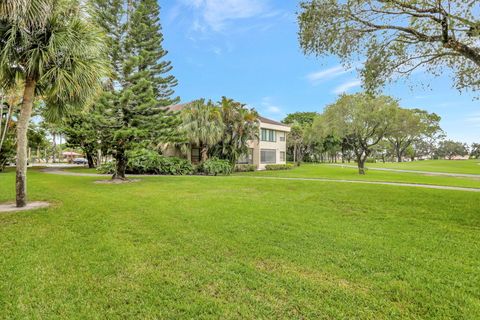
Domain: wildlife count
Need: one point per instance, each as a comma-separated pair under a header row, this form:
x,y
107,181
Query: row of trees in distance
x,y
361,126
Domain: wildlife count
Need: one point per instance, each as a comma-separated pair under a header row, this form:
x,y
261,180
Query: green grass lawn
x,y
451,166
237,247
348,173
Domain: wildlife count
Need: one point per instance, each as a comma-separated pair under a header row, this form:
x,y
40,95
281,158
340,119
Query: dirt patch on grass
x,y
10,207
116,181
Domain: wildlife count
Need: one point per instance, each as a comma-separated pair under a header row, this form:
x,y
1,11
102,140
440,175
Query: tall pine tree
x,y
134,108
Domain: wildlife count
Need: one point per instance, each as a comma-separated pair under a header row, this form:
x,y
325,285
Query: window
x,y
282,156
282,136
195,156
268,135
268,156
246,158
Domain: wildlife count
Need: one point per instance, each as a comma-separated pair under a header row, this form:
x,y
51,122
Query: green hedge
x,y
279,166
145,161
215,167
245,168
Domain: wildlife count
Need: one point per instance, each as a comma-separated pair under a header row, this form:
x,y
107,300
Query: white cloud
x,y
327,73
216,13
344,87
270,108
274,109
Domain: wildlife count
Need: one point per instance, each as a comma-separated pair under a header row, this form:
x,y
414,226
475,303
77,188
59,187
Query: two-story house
x,y
270,148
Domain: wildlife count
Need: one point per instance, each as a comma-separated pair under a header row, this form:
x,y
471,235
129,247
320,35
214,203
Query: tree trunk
x,y
361,164
204,153
91,163
22,142
121,165
54,147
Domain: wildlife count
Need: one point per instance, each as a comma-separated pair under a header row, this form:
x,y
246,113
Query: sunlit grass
x,y
237,247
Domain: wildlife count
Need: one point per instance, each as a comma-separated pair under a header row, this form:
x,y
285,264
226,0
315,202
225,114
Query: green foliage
x,y
449,149
144,161
396,37
241,125
245,168
361,120
215,166
133,110
410,126
202,125
302,118
107,168
275,167
175,166
475,150
7,154
58,47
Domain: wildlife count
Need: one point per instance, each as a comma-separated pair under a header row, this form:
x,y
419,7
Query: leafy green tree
x,y
302,118
56,52
81,131
410,125
396,37
202,125
475,150
362,120
134,106
299,142
296,141
449,149
240,125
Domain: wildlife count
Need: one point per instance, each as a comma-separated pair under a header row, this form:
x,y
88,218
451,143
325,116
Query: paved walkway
x,y
398,184
431,173
61,171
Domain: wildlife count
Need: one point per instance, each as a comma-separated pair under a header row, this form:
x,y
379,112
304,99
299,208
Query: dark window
x,y
268,156
195,158
282,156
246,158
268,135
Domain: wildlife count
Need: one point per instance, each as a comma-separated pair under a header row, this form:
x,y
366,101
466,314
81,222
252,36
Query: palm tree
x,y
241,126
53,49
202,125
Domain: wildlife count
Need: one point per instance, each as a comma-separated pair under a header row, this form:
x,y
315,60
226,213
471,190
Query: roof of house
x,y
179,107
270,121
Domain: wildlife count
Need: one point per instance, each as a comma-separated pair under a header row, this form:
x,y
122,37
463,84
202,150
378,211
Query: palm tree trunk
x,y
204,152
22,142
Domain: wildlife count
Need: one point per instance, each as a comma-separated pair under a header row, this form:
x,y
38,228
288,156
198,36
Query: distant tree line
x,y
364,128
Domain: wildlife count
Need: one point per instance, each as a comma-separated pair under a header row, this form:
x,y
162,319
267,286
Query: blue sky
x,y
248,50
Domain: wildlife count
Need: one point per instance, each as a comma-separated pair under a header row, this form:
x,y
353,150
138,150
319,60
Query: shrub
x,y
174,166
215,166
245,167
143,161
287,166
107,168
371,160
